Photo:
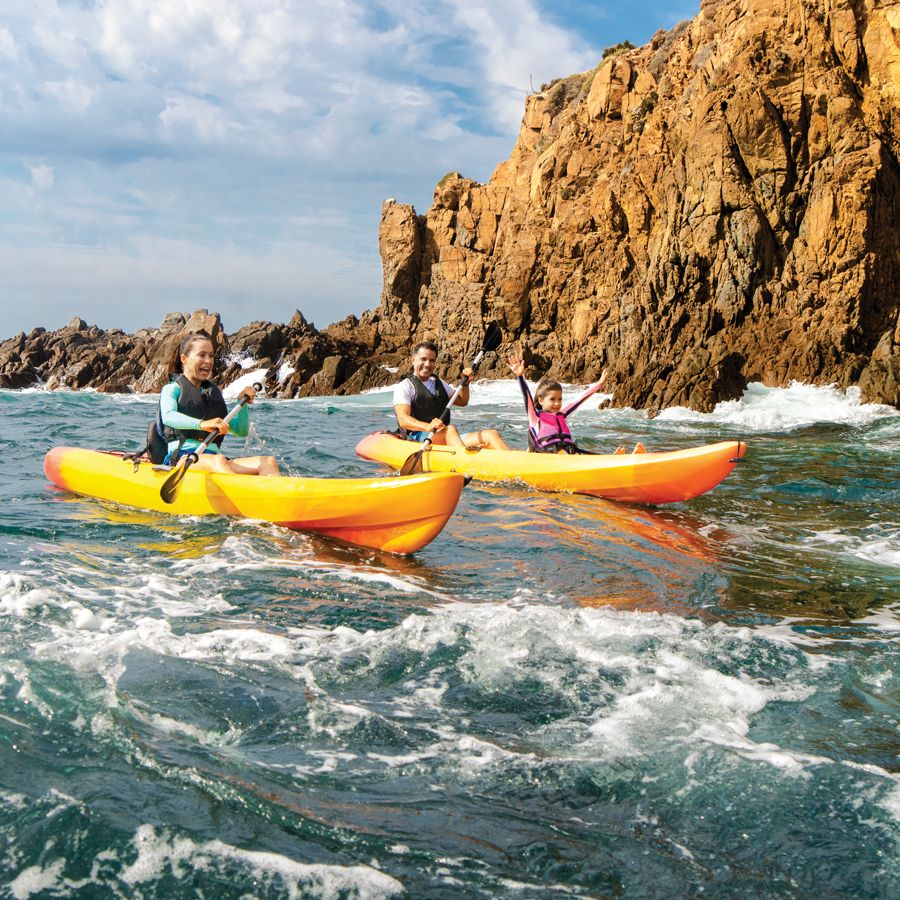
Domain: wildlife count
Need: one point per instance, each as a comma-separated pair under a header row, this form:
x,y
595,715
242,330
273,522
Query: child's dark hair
x,y
543,387
184,347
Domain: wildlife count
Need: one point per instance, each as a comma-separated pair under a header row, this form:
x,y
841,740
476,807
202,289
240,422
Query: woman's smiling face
x,y
197,363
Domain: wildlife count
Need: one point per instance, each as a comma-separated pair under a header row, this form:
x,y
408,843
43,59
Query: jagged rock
x,y
328,379
716,207
158,351
368,375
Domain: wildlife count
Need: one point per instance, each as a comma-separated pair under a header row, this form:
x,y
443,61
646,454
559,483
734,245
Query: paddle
x,y
170,486
492,338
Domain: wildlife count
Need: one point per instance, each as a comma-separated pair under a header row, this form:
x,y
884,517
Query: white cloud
x,y
62,46
8,46
207,119
520,46
243,131
42,177
70,94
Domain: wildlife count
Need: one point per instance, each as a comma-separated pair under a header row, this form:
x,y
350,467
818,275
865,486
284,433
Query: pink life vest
x,y
550,434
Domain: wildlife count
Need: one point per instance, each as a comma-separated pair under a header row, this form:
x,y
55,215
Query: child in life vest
x,y
548,427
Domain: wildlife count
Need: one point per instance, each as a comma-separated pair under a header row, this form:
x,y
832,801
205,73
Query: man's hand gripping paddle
x,y
492,338
169,490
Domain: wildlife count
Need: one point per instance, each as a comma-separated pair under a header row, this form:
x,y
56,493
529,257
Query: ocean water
x,y
560,696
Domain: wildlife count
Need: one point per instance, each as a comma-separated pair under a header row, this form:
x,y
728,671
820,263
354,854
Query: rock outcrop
x,y
82,355
298,359
719,206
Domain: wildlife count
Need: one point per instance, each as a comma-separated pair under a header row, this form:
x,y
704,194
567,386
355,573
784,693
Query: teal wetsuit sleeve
x,y
168,410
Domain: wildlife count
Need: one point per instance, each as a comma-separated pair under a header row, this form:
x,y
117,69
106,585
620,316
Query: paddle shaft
x,y
167,491
231,414
462,386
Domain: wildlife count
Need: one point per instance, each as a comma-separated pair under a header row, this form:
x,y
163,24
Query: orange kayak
x,y
633,477
400,515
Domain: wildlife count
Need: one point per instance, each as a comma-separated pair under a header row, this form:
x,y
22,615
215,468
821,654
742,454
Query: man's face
x,y
424,361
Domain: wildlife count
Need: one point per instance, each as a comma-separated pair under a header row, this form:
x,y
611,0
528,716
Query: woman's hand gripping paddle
x,y
492,338
169,490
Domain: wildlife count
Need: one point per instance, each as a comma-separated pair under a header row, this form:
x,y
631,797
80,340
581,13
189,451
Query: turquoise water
x,y
560,696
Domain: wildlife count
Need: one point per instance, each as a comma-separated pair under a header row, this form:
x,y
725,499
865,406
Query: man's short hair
x,y
426,345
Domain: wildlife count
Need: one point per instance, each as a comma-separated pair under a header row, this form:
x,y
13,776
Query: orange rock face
x,y
719,206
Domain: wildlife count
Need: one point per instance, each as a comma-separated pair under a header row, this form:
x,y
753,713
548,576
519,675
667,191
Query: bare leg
x,y
212,462
255,465
248,465
451,437
487,437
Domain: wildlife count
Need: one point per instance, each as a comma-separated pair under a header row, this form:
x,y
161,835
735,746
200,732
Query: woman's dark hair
x,y
544,386
184,347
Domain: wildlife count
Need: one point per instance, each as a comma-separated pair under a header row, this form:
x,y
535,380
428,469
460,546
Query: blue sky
x,y
160,155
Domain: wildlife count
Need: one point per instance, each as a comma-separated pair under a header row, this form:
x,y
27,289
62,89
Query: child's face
x,y
552,401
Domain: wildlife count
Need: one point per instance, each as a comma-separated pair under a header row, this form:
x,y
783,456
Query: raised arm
x,y
582,397
529,401
517,366
463,398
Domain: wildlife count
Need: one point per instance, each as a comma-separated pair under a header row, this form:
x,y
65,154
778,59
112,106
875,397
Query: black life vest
x,y
427,406
205,402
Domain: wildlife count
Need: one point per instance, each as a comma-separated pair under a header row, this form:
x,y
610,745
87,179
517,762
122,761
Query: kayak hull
x,y
399,515
654,478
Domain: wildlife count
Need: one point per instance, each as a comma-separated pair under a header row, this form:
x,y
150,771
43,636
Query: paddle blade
x,y
169,490
413,464
493,337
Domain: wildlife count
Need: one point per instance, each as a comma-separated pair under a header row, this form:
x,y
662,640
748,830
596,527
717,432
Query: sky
x,y
169,155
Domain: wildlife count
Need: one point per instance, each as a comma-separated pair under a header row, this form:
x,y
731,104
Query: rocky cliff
x,y
719,206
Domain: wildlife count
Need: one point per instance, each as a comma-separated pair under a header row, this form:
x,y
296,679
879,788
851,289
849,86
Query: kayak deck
x,y
652,477
399,515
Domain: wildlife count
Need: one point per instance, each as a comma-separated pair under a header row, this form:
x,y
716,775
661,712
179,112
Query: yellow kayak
x,y
400,515
633,477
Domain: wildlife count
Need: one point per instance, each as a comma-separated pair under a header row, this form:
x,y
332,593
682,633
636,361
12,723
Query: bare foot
x,y
619,451
639,448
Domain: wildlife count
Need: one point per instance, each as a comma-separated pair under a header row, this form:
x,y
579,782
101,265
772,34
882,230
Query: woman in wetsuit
x,y
191,406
